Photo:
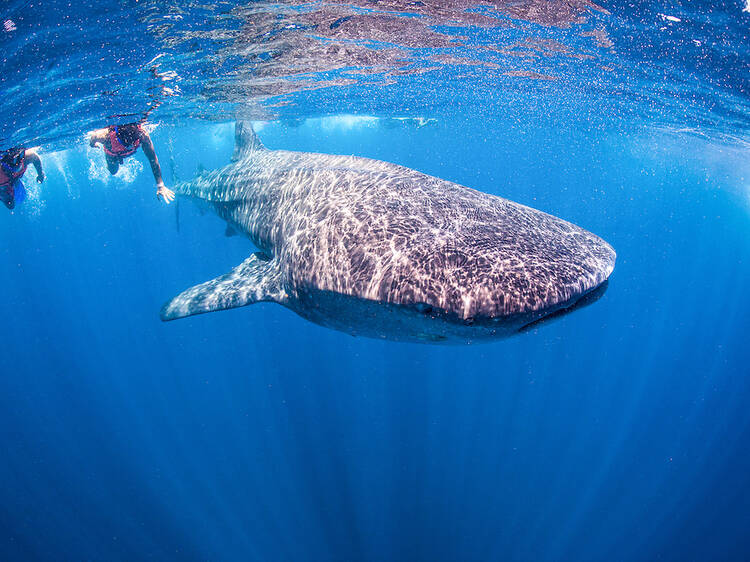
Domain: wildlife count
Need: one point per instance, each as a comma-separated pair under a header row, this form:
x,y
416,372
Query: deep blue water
x,y
618,432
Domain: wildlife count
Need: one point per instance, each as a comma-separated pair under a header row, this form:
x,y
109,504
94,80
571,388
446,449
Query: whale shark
x,y
376,249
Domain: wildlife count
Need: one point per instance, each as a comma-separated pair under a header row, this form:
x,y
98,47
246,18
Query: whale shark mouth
x,y
580,302
525,325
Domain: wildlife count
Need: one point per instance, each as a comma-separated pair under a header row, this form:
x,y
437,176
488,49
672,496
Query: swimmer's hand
x,y
165,193
41,177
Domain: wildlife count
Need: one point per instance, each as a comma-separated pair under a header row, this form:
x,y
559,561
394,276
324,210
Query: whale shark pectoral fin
x,y
245,140
254,280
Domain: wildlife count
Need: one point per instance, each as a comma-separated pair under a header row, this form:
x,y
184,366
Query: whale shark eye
x,y
424,308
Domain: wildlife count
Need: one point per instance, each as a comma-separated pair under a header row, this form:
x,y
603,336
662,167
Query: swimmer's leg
x,y
113,164
7,198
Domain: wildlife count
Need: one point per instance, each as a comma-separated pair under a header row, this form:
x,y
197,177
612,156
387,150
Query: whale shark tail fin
x,y
256,279
245,140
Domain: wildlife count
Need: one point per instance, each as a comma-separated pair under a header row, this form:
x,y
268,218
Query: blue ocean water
x,y
618,432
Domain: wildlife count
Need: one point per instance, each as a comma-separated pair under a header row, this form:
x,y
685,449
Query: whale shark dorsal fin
x,y
245,140
254,280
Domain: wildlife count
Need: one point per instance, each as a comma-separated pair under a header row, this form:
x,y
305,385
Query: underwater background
x,y
618,432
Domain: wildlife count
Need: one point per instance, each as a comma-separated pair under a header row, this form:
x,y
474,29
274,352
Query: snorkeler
x,y
122,141
13,163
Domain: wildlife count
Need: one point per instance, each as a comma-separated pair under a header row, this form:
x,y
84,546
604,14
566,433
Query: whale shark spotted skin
x,y
380,250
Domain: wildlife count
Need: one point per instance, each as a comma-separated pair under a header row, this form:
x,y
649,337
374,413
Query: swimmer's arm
x,y
33,158
148,149
98,136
